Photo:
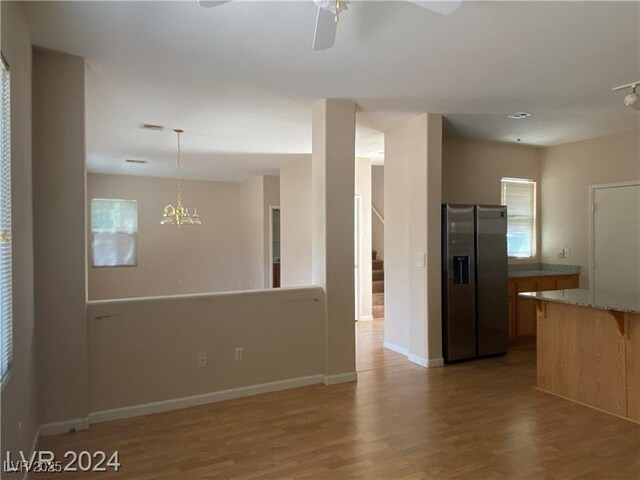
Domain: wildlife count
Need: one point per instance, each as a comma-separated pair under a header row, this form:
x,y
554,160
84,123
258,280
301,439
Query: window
x,y
519,196
6,279
114,229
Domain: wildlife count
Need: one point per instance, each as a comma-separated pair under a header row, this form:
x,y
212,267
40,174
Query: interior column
x,y
332,184
413,197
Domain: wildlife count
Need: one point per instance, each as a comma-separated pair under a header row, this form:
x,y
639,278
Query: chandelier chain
x,y
178,132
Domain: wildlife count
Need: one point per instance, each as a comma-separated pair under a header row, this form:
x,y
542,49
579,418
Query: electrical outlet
x,y
561,254
202,359
238,354
421,260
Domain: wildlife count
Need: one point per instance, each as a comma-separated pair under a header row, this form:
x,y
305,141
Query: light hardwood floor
x,y
477,420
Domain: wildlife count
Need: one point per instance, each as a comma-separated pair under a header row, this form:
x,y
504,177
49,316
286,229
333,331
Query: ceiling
x,y
241,78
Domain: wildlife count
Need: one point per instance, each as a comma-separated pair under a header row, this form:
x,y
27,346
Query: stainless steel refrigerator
x,y
474,281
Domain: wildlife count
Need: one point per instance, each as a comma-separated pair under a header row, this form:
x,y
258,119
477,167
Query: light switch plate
x,y
421,260
566,252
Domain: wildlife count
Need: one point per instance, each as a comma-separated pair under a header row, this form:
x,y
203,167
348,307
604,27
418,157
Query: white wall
x,y
567,172
147,351
19,394
295,223
363,190
472,170
377,197
171,260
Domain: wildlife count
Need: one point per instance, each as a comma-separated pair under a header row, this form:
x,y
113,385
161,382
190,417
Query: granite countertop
x,y
542,270
589,298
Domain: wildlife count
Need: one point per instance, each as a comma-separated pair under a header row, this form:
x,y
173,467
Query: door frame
x,y
592,226
357,254
271,209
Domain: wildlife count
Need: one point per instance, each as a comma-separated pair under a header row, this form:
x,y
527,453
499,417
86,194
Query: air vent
x,y
132,160
520,115
151,126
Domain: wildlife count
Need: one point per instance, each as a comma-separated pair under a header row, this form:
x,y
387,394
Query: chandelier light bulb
x,y
632,100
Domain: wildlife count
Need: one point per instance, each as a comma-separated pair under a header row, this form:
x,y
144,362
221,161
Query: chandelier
x,y
178,214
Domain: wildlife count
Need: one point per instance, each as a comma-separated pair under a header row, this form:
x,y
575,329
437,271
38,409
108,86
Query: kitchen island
x,y
588,348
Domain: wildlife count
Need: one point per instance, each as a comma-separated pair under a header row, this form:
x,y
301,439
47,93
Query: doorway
x,y
615,238
274,247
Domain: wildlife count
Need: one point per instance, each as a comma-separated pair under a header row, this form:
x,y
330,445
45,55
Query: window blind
x,y
114,226
6,298
519,196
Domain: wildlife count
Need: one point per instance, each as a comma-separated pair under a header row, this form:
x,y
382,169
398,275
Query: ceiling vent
x,y
520,115
151,126
131,160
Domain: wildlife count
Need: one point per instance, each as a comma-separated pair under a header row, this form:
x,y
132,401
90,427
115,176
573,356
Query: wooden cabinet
x,y
522,311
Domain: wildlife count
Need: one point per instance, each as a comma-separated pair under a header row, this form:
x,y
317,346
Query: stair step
x,y
378,299
378,286
374,255
377,264
378,275
378,311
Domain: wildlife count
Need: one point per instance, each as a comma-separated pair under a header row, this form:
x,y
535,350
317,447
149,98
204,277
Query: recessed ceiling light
x,y
151,126
520,115
132,160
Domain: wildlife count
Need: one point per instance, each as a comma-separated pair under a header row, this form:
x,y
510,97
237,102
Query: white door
x,y
616,238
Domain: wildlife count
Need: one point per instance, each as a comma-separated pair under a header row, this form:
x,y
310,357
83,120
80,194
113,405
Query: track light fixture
x,y
631,99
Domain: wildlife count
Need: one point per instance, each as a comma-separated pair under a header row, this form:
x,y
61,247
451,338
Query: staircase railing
x,y
377,213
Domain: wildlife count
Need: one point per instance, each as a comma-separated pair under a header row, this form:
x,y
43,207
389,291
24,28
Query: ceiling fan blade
x,y
212,3
443,7
326,27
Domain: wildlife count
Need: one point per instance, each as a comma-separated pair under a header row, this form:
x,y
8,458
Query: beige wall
x,y
363,190
377,198
172,260
332,184
295,223
256,196
567,172
59,233
252,230
472,170
412,192
148,350
20,418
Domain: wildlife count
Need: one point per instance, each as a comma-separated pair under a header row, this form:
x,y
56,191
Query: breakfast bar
x,y
588,348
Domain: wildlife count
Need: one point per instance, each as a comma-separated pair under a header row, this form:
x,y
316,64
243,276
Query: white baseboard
x,y
366,318
340,378
66,426
202,399
435,362
395,348
425,362
34,444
